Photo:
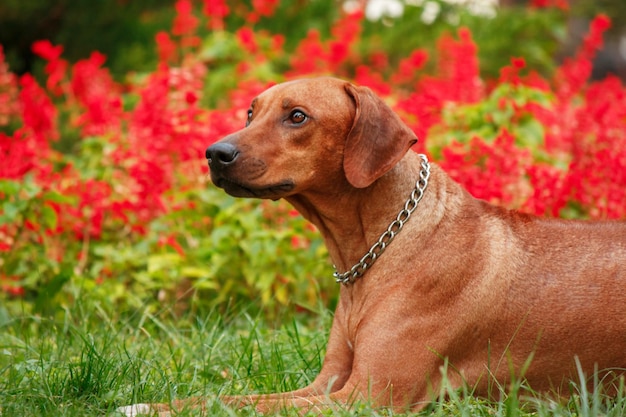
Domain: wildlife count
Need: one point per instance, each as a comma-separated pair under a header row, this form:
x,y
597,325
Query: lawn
x,y
88,363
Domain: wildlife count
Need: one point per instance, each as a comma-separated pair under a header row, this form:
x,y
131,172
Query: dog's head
x,y
309,134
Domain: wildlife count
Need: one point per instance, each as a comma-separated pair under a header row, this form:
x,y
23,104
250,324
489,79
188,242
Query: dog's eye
x,y
249,119
297,117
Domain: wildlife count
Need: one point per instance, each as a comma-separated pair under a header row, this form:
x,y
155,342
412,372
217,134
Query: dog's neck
x,y
351,224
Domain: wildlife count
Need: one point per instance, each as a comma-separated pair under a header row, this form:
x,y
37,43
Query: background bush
x,y
104,189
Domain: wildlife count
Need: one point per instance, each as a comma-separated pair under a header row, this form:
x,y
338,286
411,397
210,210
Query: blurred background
x,y
106,108
124,30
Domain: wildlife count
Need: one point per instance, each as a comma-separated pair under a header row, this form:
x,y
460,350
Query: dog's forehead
x,y
305,92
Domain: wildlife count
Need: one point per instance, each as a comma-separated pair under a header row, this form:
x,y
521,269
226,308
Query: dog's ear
x,y
377,141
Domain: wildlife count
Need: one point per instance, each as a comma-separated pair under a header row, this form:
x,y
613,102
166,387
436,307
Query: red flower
x,y
511,74
408,67
458,80
597,173
4,247
166,48
185,23
38,112
493,172
87,217
314,57
364,76
94,88
172,243
56,68
261,8
379,60
593,41
191,97
548,186
278,41
47,50
216,11
575,72
8,92
560,4
10,286
518,63
18,155
246,39
458,67
265,8
345,33
310,56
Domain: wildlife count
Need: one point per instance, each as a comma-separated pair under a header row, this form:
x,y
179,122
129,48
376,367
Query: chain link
x,y
394,228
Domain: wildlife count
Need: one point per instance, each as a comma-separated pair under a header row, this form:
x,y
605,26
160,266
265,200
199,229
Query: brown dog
x,y
481,288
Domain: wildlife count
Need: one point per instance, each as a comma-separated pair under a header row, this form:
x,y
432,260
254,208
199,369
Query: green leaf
x,y
9,187
55,197
163,261
49,217
44,304
10,212
195,272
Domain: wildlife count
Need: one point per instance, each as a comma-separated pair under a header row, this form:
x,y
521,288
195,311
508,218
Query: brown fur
x,y
481,286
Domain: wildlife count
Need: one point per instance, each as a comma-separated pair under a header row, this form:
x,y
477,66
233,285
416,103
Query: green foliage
x,y
221,249
229,249
121,30
25,205
502,110
125,33
537,34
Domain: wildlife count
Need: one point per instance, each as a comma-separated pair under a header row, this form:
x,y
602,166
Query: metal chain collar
x,y
394,228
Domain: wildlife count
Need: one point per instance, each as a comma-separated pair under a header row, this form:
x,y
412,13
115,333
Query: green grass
x,y
87,363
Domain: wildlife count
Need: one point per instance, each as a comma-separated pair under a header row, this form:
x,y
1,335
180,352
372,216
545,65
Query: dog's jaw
x,y
236,189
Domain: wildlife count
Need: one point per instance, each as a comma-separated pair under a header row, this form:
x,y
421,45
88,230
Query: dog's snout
x,y
221,153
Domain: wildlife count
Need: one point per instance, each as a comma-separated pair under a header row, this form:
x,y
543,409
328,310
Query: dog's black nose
x,y
221,153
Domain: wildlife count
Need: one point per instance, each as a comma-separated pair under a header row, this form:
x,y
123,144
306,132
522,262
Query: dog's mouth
x,y
236,189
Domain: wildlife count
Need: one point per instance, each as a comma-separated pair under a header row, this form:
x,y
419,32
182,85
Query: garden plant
x,y
126,276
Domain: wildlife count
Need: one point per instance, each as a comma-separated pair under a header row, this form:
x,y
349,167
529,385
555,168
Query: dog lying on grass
x,y
429,275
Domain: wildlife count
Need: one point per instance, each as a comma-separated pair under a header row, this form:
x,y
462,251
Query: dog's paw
x,y
136,410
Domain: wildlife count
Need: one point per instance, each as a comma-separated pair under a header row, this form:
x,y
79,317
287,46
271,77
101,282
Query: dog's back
x,y
560,296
